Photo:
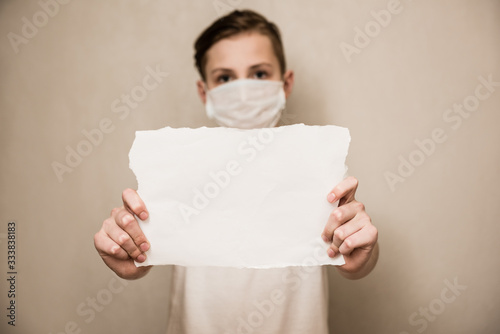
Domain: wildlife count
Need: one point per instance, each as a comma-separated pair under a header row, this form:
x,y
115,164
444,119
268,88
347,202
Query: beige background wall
x,y
440,224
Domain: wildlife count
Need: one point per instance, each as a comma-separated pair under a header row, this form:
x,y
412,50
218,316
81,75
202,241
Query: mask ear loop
x,y
208,104
282,111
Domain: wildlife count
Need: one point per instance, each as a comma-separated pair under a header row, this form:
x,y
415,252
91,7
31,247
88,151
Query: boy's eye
x,y
260,74
223,78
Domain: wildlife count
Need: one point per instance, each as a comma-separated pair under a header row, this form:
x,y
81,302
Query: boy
x,y
244,83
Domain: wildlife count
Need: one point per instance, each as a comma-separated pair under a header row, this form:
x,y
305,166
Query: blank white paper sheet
x,y
238,198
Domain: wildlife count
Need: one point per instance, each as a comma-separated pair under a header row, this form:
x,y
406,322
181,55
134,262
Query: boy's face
x,y
248,55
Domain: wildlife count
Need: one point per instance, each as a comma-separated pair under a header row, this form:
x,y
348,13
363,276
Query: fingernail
x,y
144,246
330,252
141,258
143,215
331,197
325,239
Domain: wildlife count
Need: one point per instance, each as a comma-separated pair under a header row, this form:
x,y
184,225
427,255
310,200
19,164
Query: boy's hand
x,y
350,231
120,239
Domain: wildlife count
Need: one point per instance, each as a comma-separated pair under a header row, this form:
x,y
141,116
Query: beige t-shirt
x,y
248,301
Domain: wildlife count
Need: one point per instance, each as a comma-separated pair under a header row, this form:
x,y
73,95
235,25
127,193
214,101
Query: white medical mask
x,y
246,103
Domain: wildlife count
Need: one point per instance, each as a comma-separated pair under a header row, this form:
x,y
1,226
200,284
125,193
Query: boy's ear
x,y
288,80
201,91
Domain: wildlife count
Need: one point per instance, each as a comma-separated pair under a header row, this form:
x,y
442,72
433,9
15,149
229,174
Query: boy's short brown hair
x,y
232,24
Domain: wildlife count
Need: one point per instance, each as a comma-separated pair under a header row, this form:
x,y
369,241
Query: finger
x,y
346,230
339,216
129,224
357,218
343,191
126,269
133,202
365,237
121,237
106,246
